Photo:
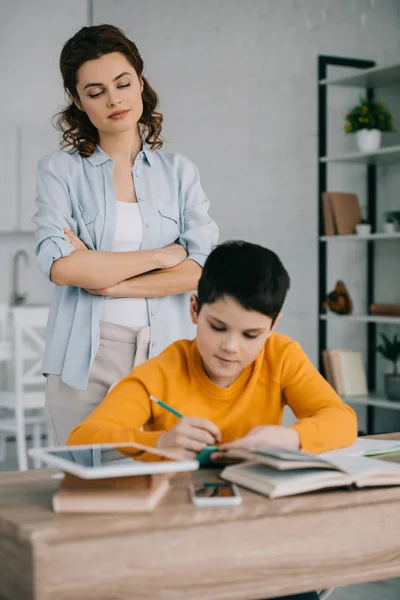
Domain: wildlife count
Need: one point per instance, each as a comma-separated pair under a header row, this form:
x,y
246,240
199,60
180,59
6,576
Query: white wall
x,y
237,82
31,38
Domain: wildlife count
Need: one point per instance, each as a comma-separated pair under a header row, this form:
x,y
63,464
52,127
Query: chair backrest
x,y
29,325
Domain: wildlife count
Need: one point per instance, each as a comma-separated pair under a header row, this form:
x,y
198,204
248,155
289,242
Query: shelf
x,y
362,318
375,77
360,238
372,400
382,156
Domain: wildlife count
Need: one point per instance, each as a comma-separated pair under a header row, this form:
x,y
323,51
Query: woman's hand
x,y
172,255
268,435
114,291
190,436
74,240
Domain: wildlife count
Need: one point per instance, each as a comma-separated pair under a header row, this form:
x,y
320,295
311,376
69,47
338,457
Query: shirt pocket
x,y
170,230
87,230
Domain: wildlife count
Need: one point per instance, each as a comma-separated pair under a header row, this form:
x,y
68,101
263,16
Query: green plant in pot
x,y
367,120
396,215
390,349
390,223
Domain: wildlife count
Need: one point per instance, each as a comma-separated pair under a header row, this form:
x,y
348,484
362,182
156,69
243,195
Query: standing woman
x,y
122,229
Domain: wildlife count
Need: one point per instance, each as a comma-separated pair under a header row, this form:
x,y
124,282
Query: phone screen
x,y
214,490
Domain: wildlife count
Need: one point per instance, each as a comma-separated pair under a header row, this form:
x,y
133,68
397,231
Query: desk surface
x,y
262,548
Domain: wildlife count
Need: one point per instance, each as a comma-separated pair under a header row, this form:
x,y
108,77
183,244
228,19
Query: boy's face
x,y
229,337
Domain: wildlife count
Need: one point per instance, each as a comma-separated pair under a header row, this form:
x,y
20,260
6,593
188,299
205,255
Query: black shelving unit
x,y
324,62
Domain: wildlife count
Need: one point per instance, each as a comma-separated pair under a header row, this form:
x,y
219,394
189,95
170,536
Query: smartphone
x,y
215,494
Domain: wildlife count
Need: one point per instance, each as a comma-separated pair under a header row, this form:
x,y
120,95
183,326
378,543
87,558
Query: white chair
x,y
4,357
25,402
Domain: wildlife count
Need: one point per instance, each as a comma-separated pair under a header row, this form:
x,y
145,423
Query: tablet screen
x,y
111,460
97,456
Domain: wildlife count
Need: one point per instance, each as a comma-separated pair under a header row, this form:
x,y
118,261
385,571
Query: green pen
x,y
166,406
204,456
395,450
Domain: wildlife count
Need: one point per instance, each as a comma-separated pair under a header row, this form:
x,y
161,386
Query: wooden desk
x,y
260,549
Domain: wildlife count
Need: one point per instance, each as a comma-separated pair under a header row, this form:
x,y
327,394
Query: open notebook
x,y
277,472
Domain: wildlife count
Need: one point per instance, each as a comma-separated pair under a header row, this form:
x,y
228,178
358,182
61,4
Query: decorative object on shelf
x,y
368,140
338,301
345,372
390,349
363,227
390,223
385,309
367,120
341,212
396,215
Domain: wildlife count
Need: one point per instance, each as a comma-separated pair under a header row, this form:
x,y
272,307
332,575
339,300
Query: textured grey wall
x,y
237,83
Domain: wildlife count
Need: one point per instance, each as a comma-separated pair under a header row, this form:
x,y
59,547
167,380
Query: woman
x,y
122,229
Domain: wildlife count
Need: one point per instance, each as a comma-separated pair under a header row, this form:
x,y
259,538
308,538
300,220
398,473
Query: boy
x,y
233,381
236,376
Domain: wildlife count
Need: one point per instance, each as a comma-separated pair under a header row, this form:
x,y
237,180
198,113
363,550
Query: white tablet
x,y
98,461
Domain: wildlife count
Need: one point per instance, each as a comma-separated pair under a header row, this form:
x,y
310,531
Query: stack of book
x,y
277,472
384,309
344,370
118,494
341,212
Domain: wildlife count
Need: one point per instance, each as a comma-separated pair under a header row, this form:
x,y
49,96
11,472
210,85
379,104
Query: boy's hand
x,y
267,435
190,435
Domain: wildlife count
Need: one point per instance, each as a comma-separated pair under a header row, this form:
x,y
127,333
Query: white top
x,y
129,312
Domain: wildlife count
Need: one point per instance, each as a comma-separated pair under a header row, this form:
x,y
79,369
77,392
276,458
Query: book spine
x,y
336,372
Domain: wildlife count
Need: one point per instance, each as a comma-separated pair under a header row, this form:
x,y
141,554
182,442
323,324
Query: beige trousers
x,y
120,349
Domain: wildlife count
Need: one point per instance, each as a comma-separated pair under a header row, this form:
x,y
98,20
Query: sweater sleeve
x,y
325,422
121,417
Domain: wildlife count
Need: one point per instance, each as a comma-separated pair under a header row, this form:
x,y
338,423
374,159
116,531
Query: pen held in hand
x,y
166,406
205,454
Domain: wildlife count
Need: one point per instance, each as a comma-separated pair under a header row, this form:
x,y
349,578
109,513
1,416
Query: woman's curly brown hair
x,y
87,44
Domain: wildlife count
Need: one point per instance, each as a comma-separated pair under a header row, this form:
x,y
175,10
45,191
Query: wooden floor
x,y
380,590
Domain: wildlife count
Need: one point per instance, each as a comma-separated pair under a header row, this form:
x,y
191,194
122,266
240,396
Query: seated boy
x,y
233,381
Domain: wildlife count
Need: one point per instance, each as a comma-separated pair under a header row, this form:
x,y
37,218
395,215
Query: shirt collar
x,y
149,154
99,156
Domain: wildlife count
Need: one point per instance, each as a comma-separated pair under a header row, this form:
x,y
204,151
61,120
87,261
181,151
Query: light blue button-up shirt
x,y
78,194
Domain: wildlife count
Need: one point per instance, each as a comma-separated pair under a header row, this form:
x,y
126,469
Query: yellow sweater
x,y
281,374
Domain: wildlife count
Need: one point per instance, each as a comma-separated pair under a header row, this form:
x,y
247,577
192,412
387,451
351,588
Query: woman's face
x,y
110,93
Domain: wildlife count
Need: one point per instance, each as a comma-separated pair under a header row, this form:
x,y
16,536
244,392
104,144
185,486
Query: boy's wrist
x,y
292,438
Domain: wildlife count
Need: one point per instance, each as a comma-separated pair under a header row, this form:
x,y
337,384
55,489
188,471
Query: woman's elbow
x,y
59,272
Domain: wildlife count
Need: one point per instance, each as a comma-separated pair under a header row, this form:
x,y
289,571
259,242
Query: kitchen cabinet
x,y
8,179
35,143
21,148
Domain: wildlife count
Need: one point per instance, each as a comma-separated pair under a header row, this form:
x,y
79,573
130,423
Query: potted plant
x,y
389,225
396,215
363,227
390,349
367,120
